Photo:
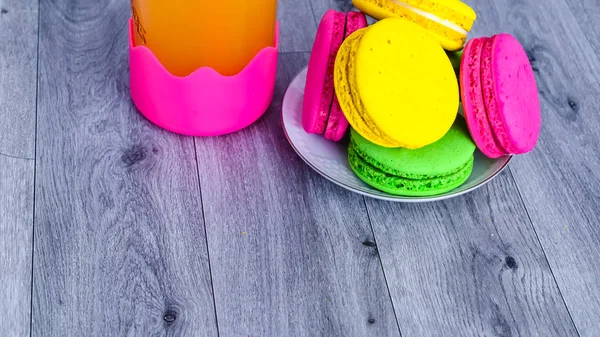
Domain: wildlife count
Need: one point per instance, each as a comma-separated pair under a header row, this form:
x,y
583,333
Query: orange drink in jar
x,y
185,35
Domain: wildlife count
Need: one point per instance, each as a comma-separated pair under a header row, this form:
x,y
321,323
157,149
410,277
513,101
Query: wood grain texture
x,y
18,72
319,8
297,31
559,181
120,246
471,266
587,13
292,254
16,226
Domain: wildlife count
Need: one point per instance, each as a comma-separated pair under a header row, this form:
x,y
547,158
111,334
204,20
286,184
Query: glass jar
x,y
185,35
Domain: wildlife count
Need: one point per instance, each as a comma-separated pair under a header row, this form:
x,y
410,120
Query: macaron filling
x,y
444,22
447,22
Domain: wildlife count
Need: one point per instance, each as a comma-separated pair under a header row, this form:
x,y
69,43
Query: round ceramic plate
x,y
330,159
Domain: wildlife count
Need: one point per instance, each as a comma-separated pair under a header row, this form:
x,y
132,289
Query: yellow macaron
x,y
448,20
395,85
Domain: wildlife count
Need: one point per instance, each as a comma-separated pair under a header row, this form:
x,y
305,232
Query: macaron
x,y
396,85
431,170
321,112
448,20
500,96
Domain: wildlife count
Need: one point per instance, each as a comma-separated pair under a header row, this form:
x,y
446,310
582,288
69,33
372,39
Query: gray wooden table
x,y
110,226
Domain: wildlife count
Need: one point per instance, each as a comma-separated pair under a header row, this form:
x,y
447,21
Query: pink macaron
x,y
499,96
321,112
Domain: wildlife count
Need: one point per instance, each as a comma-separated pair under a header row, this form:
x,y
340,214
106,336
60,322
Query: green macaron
x,y
431,170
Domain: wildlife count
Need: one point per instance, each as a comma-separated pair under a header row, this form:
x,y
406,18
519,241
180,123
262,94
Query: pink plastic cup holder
x,y
203,103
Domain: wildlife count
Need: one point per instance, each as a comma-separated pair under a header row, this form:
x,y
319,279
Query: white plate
x,y
330,159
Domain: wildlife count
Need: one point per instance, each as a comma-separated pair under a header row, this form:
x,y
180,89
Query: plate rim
x,y
387,197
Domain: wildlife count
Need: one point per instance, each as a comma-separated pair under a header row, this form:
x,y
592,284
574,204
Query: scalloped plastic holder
x,y
204,103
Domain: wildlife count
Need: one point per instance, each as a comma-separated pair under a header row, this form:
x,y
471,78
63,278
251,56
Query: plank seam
x,y
16,157
212,287
382,268
543,251
37,103
583,30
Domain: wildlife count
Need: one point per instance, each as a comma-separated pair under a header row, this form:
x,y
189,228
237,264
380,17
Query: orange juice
x,y
188,34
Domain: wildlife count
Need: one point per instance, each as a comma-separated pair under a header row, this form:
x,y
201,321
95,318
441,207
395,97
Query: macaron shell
x,y
337,124
354,22
472,99
434,169
407,187
454,11
406,83
347,95
514,107
318,92
377,9
444,157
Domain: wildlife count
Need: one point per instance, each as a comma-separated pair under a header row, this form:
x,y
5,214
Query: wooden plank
x,y
470,266
18,71
297,31
588,16
290,252
120,247
321,6
16,226
558,181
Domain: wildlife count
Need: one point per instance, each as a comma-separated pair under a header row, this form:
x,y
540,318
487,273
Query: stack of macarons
x,y
396,86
